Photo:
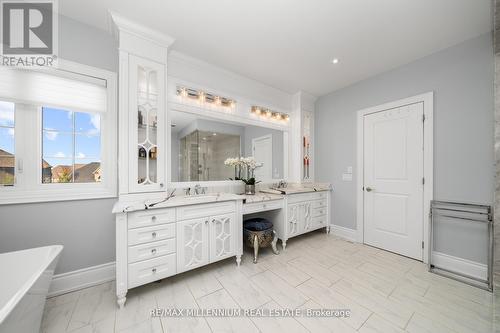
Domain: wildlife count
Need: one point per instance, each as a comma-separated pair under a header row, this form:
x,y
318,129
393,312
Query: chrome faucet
x,y
281,184
199,190
187,191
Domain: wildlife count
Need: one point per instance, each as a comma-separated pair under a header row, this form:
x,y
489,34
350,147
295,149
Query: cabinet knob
x,y
161,184
153,234
154,270
213,221
153,218
264,205
153,251
206,221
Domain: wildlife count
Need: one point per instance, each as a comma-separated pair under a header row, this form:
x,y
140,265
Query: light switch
x,y
347,177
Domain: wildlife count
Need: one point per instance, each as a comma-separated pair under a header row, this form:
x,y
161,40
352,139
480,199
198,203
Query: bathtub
x,y
24,283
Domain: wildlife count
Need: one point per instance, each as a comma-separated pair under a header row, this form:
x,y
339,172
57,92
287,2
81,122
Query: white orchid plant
x,y
243,165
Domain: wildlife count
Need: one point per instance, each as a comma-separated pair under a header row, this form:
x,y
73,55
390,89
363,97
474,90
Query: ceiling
x,y
290,44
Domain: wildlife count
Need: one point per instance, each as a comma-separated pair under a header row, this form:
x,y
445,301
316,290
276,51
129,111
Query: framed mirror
x,y
199,146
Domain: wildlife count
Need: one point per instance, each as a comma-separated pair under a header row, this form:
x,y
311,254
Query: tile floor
x,y
385,293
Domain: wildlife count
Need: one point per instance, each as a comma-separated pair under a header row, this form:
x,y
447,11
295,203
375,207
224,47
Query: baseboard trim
x,y
82,278
459,265
343,232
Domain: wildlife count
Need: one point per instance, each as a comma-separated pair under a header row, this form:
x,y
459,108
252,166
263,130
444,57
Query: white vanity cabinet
x,y
304,212
205,240
157,243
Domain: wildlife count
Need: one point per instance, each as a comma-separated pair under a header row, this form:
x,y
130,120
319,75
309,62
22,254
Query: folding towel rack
x,y
471,213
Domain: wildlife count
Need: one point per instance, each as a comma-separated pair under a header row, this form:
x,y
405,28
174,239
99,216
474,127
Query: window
x,y
7,149
71,144
57,134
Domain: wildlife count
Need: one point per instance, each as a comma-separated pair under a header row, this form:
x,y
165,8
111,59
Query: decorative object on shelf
x,y
266,113
142,152
258,232
153,153
140,119
244,165
205,97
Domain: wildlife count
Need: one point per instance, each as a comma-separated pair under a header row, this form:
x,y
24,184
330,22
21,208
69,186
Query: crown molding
x,y
119,24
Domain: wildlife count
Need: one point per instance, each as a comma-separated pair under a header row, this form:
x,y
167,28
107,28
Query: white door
x,y
222,237
262,149
393,180
192,244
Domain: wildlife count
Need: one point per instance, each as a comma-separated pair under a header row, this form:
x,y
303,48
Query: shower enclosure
x,y
202,155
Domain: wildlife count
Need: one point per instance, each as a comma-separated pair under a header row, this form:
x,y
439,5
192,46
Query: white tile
x,y
280,291
320,273
202,282
176,294
376,324
333,300
221,300
421,324
148,326
92,307
277,324
104,326
323,324
56,318
288,272
243,291
395,312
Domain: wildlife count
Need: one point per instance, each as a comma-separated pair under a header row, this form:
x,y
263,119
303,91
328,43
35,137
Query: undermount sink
x,y
197,198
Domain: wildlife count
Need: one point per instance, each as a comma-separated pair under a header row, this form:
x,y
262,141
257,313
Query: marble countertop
x,y
299,188
126,206
261,197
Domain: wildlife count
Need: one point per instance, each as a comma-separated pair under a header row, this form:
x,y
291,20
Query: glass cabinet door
x,y
147,132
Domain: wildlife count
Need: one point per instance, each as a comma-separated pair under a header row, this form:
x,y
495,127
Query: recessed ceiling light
x,y
335,61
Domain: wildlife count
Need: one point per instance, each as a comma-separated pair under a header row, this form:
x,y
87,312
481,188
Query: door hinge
x,y
423,117
422,244
423,181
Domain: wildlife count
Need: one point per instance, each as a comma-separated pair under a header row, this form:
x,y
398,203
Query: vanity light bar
x,y
205,97
264,112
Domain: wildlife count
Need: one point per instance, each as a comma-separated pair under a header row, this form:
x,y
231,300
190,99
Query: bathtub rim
x,y
54,253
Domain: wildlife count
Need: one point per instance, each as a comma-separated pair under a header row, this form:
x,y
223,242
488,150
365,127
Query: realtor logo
x,y
29,33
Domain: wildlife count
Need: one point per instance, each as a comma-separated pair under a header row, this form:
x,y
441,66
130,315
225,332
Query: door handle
x,y
369,189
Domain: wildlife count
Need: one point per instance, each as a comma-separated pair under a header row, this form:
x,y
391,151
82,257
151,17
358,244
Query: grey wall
x,y
252,132
85,228
462,80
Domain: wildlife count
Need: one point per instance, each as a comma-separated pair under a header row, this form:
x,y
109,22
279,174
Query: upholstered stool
x,y
258,232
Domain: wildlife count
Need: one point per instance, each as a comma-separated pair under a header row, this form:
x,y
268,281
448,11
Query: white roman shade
x,y
53,88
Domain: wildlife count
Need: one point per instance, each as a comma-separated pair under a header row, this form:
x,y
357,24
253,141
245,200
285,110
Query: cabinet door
x,y
222,237
293,219
305,224
147,125
192,244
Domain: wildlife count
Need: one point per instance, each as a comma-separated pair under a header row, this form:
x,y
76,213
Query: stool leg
x,y
255,248
273,244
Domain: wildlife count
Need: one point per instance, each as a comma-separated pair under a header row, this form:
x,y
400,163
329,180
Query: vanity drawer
x,y
203,210
262,206
319,195
293,198
151,250
151,270
319,222
151,217
151,234
319,203
319,211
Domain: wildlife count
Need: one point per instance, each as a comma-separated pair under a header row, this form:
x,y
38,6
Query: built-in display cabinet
x,y
147,124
